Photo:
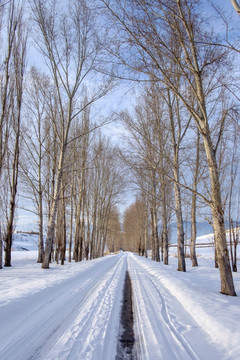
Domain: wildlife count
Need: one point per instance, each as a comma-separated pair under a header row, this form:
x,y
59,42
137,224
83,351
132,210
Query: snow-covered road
x,y
71,319
73,311
163,328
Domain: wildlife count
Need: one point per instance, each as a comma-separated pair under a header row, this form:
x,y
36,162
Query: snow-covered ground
x,y
73,311
183,315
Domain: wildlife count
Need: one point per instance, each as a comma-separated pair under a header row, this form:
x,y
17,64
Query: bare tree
x,y
34,139
19,62
68,45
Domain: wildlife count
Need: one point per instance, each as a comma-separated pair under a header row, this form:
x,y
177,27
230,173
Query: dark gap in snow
x,y
126,337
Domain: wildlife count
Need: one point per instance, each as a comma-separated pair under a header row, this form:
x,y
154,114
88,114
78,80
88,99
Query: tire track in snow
x,y
97,319
71,308
43,322
157,333
126,335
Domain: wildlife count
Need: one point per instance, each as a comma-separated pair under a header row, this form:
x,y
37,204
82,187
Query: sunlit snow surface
x,y
73,311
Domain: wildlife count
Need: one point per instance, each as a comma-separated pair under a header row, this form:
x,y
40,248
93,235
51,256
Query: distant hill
x,y
25,241
203,228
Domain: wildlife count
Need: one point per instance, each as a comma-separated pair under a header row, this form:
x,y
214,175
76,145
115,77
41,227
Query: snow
x,y
205,322
73,311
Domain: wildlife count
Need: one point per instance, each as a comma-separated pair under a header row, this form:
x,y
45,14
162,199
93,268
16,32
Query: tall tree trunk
x,y
9,231
64,230
19,61
156,237
88,237
179,217
71,227
40,199
40,226
146,233
77,238
53,214
61,233
231,240
13,189
235,243
93,237
193,232
193,210
215,252
83,235
164,220
77,234
235,251
1,250
176,140
165,241
180,230
227,286
8,246
12,23
152,236
82,230
104,240
154,218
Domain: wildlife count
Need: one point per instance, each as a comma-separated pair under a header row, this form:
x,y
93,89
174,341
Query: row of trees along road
x,y
181,131
172,45
50,131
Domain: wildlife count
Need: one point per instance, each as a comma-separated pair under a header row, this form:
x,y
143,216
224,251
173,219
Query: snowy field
x,y
73,311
